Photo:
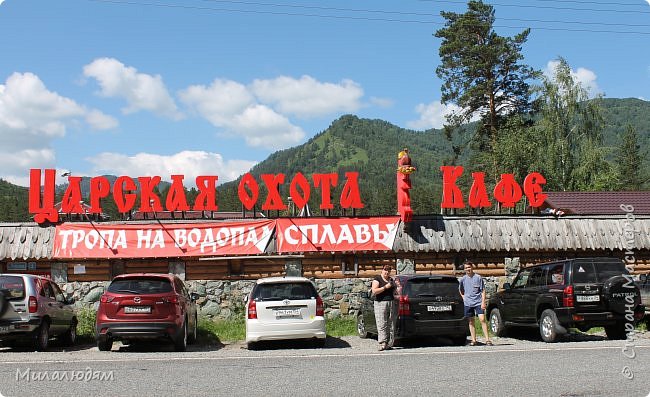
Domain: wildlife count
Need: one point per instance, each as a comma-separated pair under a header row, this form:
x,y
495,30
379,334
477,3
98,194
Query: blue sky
x,y
196,87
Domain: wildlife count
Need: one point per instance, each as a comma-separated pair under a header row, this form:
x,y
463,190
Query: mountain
x,y
369,147
13,202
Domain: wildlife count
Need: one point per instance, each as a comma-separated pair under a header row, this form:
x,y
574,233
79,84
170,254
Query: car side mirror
x,y
69,301
194,296
506,286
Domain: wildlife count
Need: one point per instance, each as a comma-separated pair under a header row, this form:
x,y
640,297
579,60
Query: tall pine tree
x,y
482,73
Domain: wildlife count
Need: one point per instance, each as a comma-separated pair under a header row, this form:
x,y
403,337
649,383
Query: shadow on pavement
x,y
330,343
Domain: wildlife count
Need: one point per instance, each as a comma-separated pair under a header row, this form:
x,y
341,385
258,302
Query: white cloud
x,y
141,91
219,102
100,121
31,118
188,163
585,77
262,127
432,115
229,105
307,97
382,102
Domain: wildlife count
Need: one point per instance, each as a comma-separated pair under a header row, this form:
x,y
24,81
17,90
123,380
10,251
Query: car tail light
x,y
404,308
567,296
252,310
33,304
106,298
320,309
171,299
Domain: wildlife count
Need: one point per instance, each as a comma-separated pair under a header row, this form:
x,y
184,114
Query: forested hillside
x,y
13,202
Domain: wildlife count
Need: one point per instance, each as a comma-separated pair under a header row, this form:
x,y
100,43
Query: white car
x,y
281,308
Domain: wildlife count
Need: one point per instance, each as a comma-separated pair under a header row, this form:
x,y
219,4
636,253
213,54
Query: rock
x,y
210,309
334,313
200,289
93,295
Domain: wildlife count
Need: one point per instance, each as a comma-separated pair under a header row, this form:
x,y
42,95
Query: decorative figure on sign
x,y
404,170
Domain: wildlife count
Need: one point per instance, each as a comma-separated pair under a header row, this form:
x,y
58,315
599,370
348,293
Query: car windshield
x,y
431,287
13,287
140,286
599,272
282,291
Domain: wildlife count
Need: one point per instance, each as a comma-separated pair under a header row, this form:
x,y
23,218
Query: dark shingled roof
x,y
598,203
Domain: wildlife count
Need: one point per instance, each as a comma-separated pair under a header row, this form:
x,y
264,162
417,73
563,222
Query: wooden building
x,y
427,244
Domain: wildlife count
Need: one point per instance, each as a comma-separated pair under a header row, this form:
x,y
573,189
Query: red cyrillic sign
x,y
507,191
41,198
341,234
82,240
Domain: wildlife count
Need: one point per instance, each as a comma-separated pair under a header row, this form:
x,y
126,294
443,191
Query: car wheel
x,y
193,335
361,327
548,324
180,344
497,326
70,336
616,331
104,344
42,338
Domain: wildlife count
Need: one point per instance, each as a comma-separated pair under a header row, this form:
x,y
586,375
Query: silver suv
x,y
33,308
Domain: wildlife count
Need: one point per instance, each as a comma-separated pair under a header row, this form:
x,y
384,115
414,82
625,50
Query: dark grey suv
x,y
428,305
573,293
33,308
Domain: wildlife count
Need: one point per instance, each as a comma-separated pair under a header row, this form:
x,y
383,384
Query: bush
x,y
86,324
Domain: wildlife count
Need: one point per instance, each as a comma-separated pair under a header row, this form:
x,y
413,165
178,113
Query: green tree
x,y
629,161
571,131
482,72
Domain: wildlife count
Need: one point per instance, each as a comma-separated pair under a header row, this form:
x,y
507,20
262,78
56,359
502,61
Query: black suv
x,y
574,293
429,305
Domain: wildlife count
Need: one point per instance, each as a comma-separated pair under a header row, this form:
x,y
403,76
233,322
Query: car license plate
x,y
4,330
439,308
137,309
286,312
588,298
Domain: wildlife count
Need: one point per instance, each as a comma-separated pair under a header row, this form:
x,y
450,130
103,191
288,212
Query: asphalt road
x,y
582,366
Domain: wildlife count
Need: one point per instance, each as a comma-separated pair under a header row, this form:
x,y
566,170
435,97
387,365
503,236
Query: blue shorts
x,y
471,311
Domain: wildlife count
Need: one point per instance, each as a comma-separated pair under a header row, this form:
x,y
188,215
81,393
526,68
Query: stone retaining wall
x,y
225,299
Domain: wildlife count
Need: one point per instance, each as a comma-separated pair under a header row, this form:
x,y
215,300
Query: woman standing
x,y
383,287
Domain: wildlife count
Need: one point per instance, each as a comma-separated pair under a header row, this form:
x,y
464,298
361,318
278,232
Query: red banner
x,y
161,240
341,234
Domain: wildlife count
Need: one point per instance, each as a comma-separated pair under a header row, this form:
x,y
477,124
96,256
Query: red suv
x,y
146,306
